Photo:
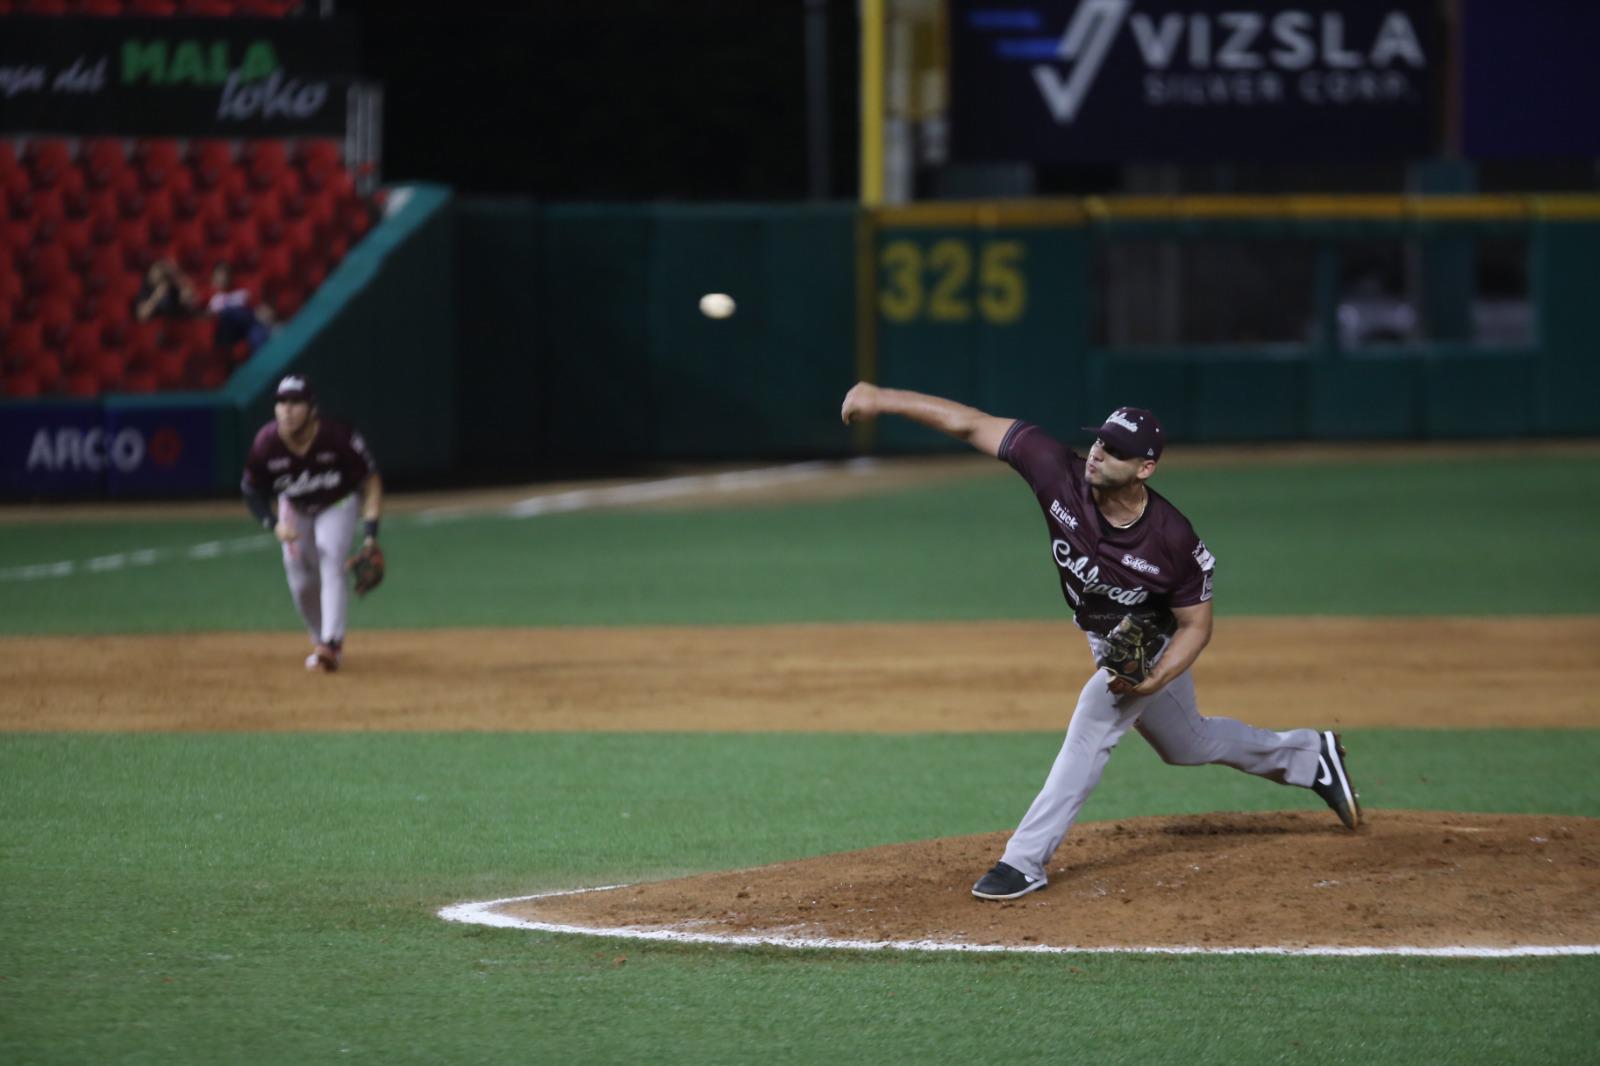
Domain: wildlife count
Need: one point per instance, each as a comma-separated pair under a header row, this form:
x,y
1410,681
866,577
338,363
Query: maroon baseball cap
x,y
296,387
1130,433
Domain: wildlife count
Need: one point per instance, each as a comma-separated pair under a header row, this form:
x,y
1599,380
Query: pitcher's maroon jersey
x,y
333,467
1156,564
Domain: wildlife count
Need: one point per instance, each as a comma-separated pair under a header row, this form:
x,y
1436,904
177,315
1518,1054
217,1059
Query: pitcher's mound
x,y
1265,880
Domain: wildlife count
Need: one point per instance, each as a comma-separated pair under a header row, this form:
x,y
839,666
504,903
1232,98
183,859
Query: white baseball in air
x,y
716,305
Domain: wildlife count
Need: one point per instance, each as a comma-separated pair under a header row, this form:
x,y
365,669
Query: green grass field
x,y
271,898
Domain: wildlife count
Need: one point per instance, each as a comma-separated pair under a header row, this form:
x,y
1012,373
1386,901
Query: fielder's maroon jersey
x,y
333,467
1156,564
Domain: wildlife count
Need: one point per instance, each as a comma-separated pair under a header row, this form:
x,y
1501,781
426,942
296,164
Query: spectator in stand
x,y
165,291
239,317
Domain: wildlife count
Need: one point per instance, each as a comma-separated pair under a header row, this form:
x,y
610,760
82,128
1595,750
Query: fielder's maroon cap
x,y
1130,433
296,387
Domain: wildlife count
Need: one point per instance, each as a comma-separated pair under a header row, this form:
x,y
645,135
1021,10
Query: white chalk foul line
x,y
636,492
485,913
105,564
731,481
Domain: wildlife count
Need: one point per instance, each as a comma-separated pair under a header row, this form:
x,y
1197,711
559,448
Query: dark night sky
x,y
616,99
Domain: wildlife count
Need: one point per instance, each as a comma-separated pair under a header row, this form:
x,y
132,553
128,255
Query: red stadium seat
x,y
104,153
47,365
49,203
47,159
169,366
130,203
144,340
159,152
116,336
153,8
160,230
76,235
25,337
206,371
132,232
81,355
357,220
235,182
209,152
137,257
266,158
104,204
21,385
271,230
17,233
84,336
109,368
211,204
277,262
100,8
267,204
80,383
140,381
265,9
193,333
207,8
104,259
192,258
73,184
48,264
158,204
301,236
245,258
17,185
318,156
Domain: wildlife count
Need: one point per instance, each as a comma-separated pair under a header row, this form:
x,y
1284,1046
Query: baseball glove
x,y
367,568
1130,648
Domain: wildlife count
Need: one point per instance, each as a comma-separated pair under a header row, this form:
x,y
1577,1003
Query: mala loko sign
x,y
176,77
1119,80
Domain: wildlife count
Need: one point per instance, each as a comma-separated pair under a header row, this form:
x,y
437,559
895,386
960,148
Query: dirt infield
x,y
1277,880
1286,879
986,676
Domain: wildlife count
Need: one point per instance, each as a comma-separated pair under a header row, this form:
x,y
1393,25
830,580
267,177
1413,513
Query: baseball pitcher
x,y
314,467
1139,583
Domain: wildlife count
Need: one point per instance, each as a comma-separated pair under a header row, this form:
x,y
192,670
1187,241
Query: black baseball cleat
x,y
1333,782
1006,882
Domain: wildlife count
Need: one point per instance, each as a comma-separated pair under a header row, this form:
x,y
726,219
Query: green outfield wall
x,y
582,337
484,336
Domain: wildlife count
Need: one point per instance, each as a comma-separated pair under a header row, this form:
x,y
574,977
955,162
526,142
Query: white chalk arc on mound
x,y
485,913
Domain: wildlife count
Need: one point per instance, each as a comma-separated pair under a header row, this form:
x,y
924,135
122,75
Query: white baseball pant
x,y
314,564
1172,724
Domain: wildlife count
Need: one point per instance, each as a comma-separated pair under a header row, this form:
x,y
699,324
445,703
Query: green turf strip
x,y
1443,537
270,898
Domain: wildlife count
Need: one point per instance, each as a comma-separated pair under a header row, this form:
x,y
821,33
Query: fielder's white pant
x,y
314,564
1173,725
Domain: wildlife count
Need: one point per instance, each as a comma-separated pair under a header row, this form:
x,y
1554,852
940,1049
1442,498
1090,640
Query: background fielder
x,y
314,466
1119,548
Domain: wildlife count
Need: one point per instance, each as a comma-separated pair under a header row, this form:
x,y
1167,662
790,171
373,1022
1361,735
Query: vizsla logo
x,y
1085,44
1204,58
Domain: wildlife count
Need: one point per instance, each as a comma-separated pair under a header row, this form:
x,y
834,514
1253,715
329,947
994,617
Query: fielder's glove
x,y
1129,649
366,567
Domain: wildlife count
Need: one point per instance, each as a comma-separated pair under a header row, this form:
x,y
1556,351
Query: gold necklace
x,y
1142,505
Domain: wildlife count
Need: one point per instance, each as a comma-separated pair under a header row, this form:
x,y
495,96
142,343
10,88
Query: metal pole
x,y
872,19
818,133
